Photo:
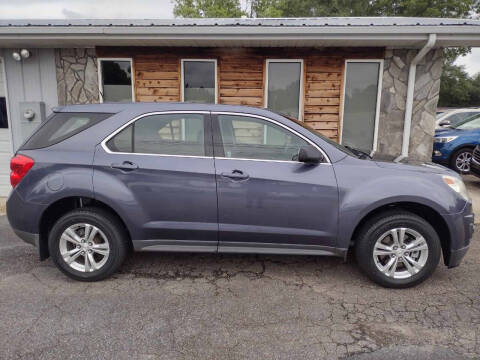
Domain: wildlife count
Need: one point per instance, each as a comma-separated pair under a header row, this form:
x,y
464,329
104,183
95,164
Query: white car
x,y
454,116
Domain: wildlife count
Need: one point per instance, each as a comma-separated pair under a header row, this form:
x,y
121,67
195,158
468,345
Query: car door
x,y
158,171
267,201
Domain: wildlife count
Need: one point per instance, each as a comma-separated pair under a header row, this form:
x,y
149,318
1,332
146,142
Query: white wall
x,y
33,79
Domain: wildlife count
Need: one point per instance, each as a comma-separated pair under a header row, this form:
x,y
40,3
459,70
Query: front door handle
x,y
236,175
125,166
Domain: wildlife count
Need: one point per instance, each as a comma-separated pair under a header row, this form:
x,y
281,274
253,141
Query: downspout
x,y
407,123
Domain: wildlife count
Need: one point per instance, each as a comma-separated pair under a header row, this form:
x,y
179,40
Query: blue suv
x,y
453,147
97,181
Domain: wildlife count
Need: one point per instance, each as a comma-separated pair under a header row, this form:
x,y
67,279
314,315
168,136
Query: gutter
x,y
407,123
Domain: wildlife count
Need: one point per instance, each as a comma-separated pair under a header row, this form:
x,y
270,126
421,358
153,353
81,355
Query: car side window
x,y
245,137
163,134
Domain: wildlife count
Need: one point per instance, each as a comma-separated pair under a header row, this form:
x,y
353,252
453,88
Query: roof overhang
x,y
316,32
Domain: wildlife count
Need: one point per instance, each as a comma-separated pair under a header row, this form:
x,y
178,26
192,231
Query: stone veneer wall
x,y
392,107
77,76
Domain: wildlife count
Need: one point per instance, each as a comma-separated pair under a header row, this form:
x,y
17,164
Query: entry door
x,y
160,171
268,201
5,143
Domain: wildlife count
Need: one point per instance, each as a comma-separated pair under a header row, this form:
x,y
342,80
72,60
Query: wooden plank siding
x,y
241,75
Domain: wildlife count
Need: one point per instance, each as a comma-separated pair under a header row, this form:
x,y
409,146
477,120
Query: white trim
x,y
276,123
3,69
100,82
182,85
379,97
300,93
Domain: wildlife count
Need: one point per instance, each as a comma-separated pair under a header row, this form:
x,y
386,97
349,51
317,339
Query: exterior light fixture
x,y
16,56
25,53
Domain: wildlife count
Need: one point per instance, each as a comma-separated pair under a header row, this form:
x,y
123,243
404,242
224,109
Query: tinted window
x,y
173,134
360,104
284,87
116,80
469,124
251,138
61,126
199,81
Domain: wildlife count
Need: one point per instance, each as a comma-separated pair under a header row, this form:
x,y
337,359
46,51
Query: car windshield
x,y
468,124
347,150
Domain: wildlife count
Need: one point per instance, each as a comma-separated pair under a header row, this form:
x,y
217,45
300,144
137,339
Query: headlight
x,y
456,185
444,139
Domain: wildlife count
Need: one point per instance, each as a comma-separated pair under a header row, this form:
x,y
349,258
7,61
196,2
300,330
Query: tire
x,y
108,246
379,228
458,158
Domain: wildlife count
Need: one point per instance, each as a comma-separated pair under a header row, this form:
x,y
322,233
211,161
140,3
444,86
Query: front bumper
x,y
461,226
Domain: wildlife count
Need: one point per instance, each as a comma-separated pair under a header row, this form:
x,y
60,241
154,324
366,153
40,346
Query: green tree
x,y
207,8
456,87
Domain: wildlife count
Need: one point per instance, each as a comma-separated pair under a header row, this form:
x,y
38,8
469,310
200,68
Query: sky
x,y
124,9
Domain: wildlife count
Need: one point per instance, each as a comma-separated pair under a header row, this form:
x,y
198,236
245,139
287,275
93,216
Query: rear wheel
x,y
398,249
460,160
88,244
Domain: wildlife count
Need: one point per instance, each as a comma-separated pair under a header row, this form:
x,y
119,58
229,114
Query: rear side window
x,y
61,126
175,134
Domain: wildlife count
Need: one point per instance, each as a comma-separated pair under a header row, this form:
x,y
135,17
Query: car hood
x,y
447,132
418,166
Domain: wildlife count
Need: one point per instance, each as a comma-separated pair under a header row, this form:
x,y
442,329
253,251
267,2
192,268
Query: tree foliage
x,y
208,8
311,8
458,89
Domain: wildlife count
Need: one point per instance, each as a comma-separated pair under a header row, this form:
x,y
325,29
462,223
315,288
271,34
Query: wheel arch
x,y
426,212
459,147
60,207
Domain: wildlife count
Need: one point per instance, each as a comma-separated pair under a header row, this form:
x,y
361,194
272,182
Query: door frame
x,y
379,98
3,70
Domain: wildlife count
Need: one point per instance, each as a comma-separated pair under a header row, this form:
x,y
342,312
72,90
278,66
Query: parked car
x,y
95,181
475,162
453,147
453,117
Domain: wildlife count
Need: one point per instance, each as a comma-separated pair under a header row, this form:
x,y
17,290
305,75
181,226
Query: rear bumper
x,y
29,238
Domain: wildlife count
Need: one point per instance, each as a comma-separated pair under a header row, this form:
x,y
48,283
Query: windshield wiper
x,y
361,154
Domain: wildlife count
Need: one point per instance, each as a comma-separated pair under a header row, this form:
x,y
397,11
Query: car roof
x,y
163,106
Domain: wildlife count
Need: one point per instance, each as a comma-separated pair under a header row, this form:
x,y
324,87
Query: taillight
x,y
19,165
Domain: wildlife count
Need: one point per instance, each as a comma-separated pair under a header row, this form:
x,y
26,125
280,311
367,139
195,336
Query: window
x,y
61,126
199,81
252,138
284,86
361,104
115,80
165,134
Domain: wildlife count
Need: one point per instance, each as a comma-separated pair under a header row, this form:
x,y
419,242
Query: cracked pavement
x,y
207,306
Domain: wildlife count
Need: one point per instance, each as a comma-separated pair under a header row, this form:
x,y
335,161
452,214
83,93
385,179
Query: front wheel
x,y
398,249
460,161
88,244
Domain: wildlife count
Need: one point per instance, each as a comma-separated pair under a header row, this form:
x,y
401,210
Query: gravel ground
x,y
193,306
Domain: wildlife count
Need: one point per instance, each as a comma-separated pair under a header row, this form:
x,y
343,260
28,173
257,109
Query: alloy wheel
x,y
400,253
462,162
84,247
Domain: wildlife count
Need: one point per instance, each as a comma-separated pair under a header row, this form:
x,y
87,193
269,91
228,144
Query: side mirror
x,y
444,123
309,155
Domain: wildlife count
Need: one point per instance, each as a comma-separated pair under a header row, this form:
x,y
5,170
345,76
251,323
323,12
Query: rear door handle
x,y
235,175
125,166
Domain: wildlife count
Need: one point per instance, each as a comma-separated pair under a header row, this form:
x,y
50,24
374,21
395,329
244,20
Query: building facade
x,y
348,78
